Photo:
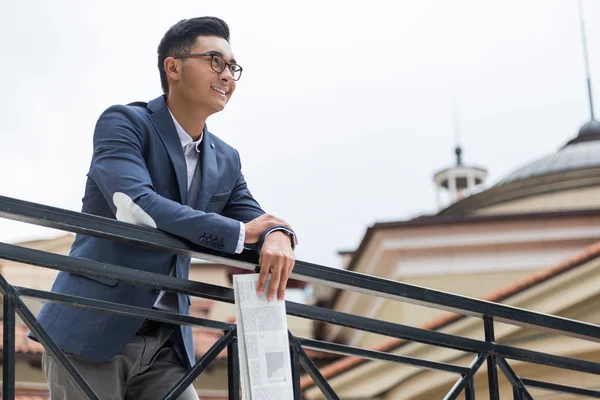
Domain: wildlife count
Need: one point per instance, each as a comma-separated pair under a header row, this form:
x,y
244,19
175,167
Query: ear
x,y
172,68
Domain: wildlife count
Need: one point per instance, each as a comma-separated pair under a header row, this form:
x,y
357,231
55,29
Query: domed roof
x,y
579,153
589,131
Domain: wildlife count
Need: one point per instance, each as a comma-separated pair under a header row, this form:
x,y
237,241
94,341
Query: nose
x,y
226,75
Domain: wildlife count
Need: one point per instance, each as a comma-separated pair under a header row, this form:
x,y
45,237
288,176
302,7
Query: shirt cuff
x,y
240,244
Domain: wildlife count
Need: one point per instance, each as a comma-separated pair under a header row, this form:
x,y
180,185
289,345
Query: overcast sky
x,y
344,111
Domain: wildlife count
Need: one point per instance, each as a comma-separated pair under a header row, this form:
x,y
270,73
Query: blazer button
x,y
221,245
209,242
202,239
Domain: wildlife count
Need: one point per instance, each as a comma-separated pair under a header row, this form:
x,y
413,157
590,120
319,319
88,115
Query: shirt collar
x,y
184,138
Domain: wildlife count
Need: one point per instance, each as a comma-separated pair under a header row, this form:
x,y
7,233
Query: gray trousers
x,y
146,368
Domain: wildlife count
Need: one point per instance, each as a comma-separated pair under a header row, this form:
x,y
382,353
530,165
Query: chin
x,y
219,107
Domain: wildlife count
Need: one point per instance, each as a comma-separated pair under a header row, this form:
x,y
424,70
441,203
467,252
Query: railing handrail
x,y
107,228
495,354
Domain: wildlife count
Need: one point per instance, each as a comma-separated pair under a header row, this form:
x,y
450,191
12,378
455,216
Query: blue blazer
x,y
138,174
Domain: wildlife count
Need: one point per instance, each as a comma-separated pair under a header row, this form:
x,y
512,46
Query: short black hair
x,y
181,37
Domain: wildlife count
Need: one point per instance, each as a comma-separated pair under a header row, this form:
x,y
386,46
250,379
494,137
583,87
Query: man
x,y
156,164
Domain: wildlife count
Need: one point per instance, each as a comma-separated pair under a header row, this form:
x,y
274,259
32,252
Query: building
x,y
532,240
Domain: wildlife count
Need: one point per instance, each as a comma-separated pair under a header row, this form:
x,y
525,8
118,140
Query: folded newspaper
x,y
265,371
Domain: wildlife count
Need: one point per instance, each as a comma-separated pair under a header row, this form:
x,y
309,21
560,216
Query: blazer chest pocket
x,y
217,202
216,198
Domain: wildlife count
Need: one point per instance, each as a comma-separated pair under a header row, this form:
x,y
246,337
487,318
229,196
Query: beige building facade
x,y
531,241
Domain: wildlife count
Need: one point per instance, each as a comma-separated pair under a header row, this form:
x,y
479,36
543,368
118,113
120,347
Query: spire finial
x,y
586,60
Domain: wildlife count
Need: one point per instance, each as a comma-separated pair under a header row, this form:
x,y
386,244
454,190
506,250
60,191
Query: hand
x,y
278,257
256,227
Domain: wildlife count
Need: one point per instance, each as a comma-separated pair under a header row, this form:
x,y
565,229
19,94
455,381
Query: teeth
x,y
219,90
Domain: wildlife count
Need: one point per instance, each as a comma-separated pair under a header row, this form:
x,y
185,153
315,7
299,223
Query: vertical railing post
x,y
295,372
233,370
470,389
488,325
8,337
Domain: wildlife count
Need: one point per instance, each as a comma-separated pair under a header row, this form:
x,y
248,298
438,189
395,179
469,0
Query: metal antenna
x,y
586,60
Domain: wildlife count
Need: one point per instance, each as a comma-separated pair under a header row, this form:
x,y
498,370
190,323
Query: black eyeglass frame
x,y
212,56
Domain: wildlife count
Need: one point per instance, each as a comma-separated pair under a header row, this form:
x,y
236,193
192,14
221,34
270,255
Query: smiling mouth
x,y
219,90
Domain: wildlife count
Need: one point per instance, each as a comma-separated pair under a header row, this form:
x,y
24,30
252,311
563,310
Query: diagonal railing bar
x,y
561,388
380,356
233,369
214,292
123,309
206,359
294,360
456,389
309,366
147,237
513,379
8,346
29,319
462,383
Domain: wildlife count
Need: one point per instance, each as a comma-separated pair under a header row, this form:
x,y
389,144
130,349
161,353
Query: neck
x,y
190,119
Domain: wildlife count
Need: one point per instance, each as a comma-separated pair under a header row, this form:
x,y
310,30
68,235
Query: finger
x,y
284,279
264,272
275,278
283,284
292,264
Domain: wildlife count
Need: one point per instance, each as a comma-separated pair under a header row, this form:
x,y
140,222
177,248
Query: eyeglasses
x,y
218,64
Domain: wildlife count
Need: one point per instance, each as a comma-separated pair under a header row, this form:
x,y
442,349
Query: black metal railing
x,y
485,351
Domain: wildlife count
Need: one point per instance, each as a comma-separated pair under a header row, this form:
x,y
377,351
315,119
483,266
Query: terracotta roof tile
x,y
203,341
23,345
39,392
346,363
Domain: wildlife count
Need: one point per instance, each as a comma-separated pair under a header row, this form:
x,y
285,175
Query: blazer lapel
x,y
163,122
210,171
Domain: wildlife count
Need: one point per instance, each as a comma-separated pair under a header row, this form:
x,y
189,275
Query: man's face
x,y
198,83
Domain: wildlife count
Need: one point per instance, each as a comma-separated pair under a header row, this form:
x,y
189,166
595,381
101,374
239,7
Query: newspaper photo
x,y
265,369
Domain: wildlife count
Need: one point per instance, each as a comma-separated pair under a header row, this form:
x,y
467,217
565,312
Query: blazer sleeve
x,y
119,170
